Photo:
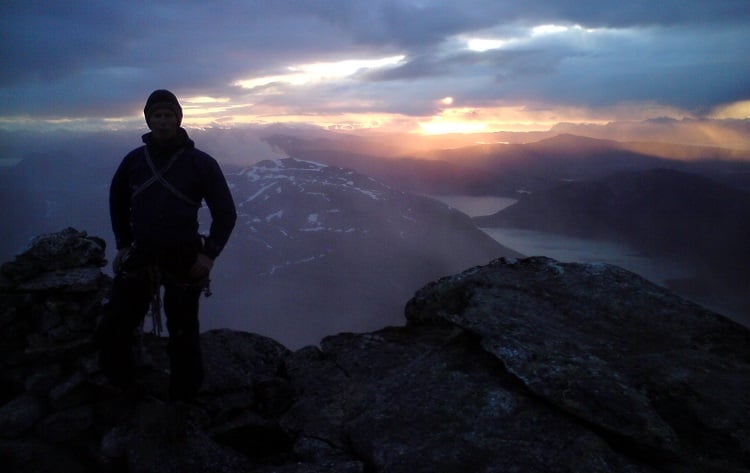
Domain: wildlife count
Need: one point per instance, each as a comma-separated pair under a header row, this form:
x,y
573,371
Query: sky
x,y
418,66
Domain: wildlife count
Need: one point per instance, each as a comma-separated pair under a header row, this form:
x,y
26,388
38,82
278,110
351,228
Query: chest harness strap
x,y
158,175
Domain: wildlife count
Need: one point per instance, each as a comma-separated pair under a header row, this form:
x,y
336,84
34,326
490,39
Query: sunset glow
x,y
417,67
735,111
439,127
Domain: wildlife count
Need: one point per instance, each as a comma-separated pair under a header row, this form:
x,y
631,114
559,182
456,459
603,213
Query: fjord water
x,y
563,248
570,249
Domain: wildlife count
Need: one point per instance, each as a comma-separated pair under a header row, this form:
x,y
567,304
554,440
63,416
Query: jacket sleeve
x,y
119,205
221,205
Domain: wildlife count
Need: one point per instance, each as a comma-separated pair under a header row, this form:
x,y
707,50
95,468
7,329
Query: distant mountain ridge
x,y
682,217
506,169
58,189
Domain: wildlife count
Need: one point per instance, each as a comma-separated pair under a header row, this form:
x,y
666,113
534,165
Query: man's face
x,y
163,123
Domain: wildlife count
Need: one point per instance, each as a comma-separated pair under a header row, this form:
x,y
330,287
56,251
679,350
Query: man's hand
x,y
202,267
121,253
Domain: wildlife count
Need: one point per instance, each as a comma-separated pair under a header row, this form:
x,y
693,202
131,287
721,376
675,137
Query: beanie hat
x,y
162,99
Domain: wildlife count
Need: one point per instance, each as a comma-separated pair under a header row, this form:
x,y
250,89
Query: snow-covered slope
x,y
320,249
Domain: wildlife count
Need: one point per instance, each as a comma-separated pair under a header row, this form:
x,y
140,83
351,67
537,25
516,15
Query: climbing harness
x,y
156,277
158,175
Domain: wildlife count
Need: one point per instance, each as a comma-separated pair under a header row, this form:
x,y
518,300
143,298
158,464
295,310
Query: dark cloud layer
x,y
99,59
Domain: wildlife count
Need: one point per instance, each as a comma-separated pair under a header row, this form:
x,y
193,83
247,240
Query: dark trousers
x,y
133,290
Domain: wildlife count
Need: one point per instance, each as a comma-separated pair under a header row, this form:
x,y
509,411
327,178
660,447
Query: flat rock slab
x,y
653,371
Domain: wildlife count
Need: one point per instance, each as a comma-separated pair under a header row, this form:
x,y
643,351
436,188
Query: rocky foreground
x,y
518,366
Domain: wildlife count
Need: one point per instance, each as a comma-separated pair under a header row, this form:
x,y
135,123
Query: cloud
x,y
84,60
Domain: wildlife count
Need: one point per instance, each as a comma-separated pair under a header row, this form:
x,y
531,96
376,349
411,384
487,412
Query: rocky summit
x,y
520,365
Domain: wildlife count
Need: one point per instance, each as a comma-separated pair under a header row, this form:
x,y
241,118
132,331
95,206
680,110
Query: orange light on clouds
x,y
438,126
339,121
202,106
449,119
736,110
203,99
497,118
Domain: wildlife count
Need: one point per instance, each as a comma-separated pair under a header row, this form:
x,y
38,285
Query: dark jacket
x,y
156,216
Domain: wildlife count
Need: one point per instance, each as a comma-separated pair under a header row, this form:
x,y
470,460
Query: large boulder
x,y
68,249
533,365
50,298
651,373
519,365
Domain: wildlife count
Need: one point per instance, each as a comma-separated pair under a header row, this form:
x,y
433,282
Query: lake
x,y
570,249
563,248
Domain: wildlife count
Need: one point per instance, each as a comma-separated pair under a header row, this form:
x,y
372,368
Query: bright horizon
x,y
419,68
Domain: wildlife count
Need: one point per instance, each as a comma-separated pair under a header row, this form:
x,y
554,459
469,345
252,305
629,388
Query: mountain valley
x,y
335,239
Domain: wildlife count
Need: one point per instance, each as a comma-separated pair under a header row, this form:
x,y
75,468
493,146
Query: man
x,y
154,200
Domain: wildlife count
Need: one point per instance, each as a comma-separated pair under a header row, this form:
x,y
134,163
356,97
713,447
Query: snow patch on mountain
x,y
296,213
